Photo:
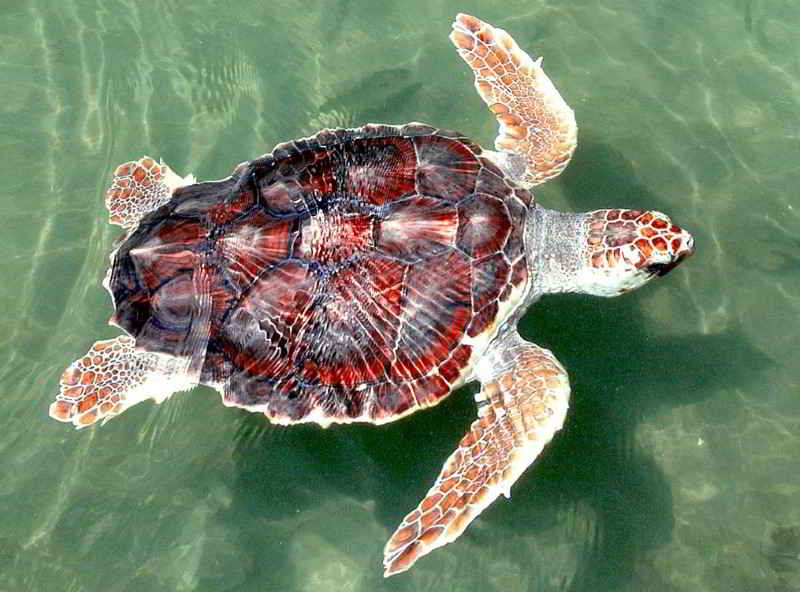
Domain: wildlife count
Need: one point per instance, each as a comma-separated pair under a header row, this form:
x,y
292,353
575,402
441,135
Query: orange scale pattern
x,y
93,387
610,231
137,188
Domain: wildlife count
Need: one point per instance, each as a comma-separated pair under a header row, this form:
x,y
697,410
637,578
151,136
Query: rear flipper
x,y
140,187
537,134
522,403
111,377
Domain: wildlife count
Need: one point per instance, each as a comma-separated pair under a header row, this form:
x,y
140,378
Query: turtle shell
x,y
353,275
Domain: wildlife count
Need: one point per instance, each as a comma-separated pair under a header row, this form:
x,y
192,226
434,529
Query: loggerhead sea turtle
x,y
363,274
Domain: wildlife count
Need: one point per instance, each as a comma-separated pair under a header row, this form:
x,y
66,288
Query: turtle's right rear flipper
x,y
139,187
522,404
537,134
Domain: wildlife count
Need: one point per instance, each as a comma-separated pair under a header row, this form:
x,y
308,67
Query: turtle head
x,y
625,249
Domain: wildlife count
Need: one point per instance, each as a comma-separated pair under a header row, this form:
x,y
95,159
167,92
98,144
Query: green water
x,y
678,467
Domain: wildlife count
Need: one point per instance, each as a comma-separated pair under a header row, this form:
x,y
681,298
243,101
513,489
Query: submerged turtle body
x,y
360,275
353,275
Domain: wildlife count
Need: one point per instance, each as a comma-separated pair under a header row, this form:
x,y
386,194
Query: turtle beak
x,y
686,251
662,269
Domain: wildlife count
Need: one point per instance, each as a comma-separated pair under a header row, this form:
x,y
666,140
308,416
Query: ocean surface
x,y
678,468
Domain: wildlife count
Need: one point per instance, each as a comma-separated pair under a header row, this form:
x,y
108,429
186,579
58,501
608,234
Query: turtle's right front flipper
x,y
522,404
537,134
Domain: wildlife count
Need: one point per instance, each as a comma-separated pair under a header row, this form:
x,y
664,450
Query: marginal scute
x,y
456,363
392,400
490,276
515,246
419,129
483,319
491,182
525,196
519,272
429,389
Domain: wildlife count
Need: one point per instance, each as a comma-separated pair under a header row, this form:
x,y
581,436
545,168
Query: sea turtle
x,y
364,274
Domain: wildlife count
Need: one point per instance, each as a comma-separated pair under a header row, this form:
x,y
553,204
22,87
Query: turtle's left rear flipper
x,y
114,375
111,377
523,402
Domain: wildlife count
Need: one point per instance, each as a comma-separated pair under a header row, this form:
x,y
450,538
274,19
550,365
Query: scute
x,y
447,168
484,225
418,228
490,276
381,170
350,272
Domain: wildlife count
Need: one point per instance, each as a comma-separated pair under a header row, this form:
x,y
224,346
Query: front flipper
x,y
139,187
537,134
522,404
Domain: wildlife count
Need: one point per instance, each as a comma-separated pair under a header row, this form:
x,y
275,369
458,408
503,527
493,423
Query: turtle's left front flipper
x,y
538,132
522,404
